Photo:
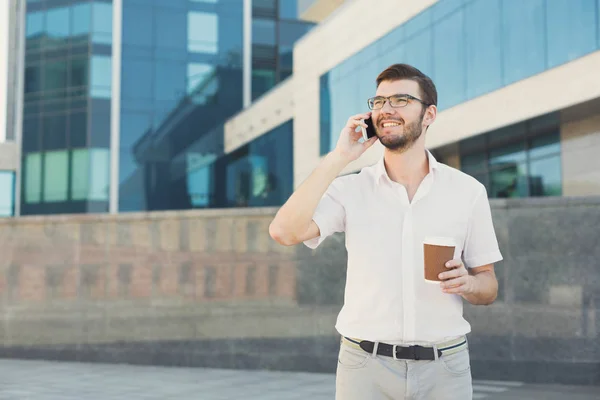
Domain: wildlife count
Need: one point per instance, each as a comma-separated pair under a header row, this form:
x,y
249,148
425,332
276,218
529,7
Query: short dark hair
x,y
404,71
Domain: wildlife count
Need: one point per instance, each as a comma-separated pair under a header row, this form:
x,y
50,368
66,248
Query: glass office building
x,y
470,48
127,104
180,75
66,112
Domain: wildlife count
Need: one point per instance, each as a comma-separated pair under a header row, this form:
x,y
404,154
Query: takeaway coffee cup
x,y
437,252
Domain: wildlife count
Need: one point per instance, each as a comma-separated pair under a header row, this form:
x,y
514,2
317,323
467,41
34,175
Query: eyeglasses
x,y
396,100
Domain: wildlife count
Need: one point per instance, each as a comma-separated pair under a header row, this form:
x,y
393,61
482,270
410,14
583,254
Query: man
x,y
402,337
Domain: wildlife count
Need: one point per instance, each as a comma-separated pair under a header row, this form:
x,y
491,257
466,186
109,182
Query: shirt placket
x,y
409,296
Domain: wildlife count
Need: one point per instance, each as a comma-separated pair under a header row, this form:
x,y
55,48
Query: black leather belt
x,y
402,352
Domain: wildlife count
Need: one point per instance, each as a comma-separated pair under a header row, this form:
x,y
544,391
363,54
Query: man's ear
x,y
430,115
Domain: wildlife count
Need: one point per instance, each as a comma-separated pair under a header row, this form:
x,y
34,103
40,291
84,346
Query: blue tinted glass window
x,y
54,131
56,172
100,126
418,23
101,77
58,22
263,31
288,9
262,81
134,125
449,64
545,176
203,32
547,145
261,173
445,7
418,52
200,185
170,28
290,32
100,174
82,17
169,80
138,26
79,72
483,47
55,78
80,171
7,193
136,79
571,29
35,24
199,76
102,23
524,44
33,178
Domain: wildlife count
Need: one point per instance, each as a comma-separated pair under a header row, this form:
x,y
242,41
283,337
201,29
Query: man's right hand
x,y
293,223
348,145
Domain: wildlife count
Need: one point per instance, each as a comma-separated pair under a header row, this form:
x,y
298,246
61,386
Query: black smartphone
x,y
369,132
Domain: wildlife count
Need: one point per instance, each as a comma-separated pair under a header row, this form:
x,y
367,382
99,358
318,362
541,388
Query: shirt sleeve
x,y
330,215
481,245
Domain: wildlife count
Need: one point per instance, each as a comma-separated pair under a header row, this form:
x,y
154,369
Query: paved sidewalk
x,y
48,380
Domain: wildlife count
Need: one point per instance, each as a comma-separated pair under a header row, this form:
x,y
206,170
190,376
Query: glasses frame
x,y
387,99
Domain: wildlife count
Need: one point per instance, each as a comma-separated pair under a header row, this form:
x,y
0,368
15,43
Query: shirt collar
x,y
381,173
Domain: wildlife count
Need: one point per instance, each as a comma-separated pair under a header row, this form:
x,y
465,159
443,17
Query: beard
x,y
404,141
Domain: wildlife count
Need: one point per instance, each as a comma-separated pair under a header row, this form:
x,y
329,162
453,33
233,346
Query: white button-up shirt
x,y
387,298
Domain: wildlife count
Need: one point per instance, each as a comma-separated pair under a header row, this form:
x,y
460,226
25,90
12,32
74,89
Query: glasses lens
x,y
376,103
398,101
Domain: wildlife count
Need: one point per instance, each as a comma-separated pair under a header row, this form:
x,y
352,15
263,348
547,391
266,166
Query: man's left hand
x,y
457,280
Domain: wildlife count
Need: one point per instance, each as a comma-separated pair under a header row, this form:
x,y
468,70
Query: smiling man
x,y
401,336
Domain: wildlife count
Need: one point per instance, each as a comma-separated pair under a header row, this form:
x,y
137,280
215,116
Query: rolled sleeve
x,y
330,215
481,244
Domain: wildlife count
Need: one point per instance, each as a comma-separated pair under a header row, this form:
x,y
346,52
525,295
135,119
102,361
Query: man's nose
x,y
387,107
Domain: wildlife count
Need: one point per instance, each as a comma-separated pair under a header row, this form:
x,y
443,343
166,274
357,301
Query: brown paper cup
x,y
437,252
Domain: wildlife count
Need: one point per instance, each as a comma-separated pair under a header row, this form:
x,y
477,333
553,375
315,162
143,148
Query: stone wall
x,y
210,288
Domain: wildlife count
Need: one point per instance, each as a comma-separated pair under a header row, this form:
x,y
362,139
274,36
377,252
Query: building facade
x,y
518,85
124,101
137,105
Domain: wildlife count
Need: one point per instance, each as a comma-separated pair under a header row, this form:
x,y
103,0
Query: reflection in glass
x,y
571,28
260,173
100,174
55,78
203,32
509,181
523,39
137,26
262,81
263,31
80,170
508,155
102,23
483,50
545,176
79,72
199,182
81,19
449,46
545,146
35,24
7,193
58,22
101,77
288,9
56,173
198,74
33,178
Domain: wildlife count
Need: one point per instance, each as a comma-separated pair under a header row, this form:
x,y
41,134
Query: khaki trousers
x,y
362,376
